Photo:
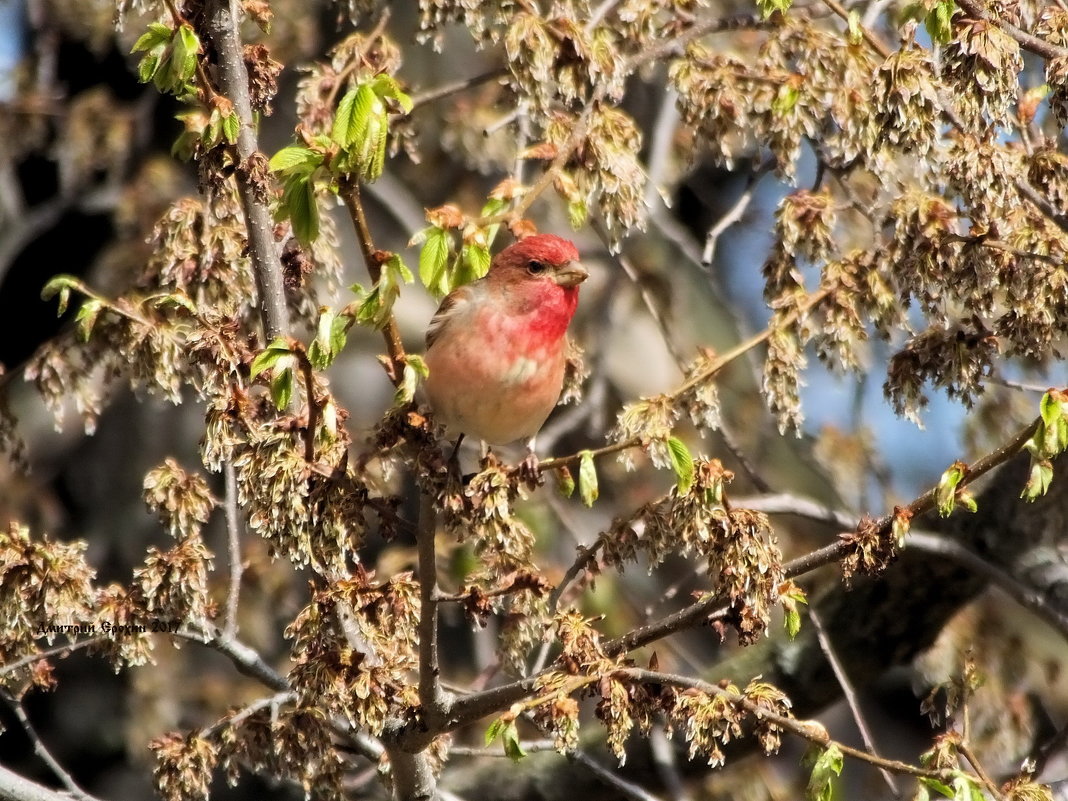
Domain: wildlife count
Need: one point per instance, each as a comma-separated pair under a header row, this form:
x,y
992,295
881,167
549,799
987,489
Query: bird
x,y
496,348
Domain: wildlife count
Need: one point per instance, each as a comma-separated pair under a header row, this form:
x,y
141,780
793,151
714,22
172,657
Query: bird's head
x,y
543,258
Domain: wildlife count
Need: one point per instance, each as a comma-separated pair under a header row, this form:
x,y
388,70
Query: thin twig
x,y
734,213
349,189
714,367
233,540
850,694
813,734
59,650
643,291
626,789
991,786
438,92
39,748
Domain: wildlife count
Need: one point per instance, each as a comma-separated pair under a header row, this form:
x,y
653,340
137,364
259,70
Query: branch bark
x,y
232,76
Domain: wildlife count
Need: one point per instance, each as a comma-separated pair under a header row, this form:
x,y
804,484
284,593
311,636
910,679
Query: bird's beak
x,y
571,274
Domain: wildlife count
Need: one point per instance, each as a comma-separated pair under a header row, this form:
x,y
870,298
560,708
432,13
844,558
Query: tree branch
x,y
233,540
349,190
222,31
430,693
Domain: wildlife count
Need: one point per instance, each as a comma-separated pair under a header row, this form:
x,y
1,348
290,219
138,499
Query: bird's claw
x,y
529,470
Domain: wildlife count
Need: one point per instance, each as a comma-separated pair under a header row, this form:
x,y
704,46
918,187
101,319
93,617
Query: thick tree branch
x,y
222,31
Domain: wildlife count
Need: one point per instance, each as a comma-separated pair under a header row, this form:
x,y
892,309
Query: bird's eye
x,y
535,267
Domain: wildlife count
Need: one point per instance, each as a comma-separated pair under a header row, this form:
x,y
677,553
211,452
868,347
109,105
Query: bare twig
x,y
14,787
349,189
48,653
643,291
39,748
991,786
233,540
734,213
438,92
626,789
850,695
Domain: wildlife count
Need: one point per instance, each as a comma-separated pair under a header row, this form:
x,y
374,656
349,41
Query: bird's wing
x,y
452,305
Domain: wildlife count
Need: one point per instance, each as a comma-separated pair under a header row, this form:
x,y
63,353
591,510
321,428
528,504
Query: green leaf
x,y
510,739
588,489
86,318
474,262
939,21
397,270
854,32
186,47
416,362
350,116
785,99
939,787
577,212
493,731
282,388
825,767
966,501
433,258
387,86
946,494
157,35
298,203
295,158
231,126
268,357
1039,479
406,390
60,285
769,7
681,463
330,337
147,68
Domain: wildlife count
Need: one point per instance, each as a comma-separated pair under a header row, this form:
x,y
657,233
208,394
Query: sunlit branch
x,y
222,30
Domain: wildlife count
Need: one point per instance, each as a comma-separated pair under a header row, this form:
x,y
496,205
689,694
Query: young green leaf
x,y
295,159
186,47
681,463
86,318
433,258
386,86
60,285
299,204
513,749
1038,480
826,765
267,358
330,337
946,494
282,387
588,489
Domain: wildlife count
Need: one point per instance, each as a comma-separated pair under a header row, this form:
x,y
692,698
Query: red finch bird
x,y
496,347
